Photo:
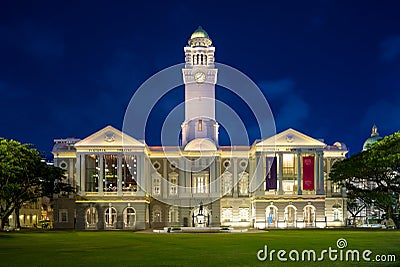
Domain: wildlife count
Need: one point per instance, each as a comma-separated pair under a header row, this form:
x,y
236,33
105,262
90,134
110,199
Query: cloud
x,y
289,108
390,49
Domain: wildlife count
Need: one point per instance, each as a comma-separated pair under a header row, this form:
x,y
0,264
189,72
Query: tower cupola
x,y
200,38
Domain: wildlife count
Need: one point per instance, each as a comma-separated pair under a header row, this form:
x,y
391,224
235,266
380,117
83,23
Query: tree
x,y
24,177
373,176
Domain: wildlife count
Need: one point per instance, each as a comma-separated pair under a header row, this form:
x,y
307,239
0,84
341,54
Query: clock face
x,y
199,77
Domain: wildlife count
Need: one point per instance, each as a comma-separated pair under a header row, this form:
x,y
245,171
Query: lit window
x,y
91,217
309,214
290,214
156,184
244,214
271,215
129,217
200,127
200,182
110,217
157,215
173,179
227,214
337,188
336,212
288,164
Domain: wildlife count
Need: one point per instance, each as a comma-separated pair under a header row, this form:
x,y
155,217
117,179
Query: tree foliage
x,y
373,176
24,177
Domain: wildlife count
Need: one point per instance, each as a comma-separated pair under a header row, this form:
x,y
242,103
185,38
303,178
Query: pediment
x,y
291,138
109,137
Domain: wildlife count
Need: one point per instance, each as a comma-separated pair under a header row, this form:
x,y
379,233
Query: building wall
x,y
141,212
64,213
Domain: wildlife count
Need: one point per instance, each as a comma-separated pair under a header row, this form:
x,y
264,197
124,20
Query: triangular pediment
x,y
291,138
109,137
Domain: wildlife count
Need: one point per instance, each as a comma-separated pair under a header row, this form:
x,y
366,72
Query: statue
x,y
201,208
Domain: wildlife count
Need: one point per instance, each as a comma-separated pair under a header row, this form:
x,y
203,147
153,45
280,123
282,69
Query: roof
x,y
201,144
109,136
291,138
199,33
375,137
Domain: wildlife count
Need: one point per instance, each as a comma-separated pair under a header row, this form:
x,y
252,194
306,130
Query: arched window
x,y
337,212
110,217
156,214
271,215
290,215
200,218
91,217
243,184
129,217
173,214
309,214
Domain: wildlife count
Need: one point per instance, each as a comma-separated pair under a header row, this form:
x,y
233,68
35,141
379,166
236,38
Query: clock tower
x,y
200,77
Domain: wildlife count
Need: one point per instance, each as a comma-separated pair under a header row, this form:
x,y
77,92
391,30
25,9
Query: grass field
x,y
120,248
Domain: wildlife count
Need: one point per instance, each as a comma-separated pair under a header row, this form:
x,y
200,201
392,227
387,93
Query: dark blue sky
x,y
330,69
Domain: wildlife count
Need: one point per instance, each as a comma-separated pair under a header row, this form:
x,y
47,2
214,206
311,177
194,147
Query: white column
x,y
321,174
101,175
299,192
212,178
217,184
188,177
328,182
78,173
280,173
119,182
235,177
165,180
181,177
140,175
316,173
263,173
83,172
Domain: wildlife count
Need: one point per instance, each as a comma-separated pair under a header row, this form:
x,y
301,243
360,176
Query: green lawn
x,y
120,248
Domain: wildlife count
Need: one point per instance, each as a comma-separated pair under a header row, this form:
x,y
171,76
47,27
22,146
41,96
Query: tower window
x,y
200,126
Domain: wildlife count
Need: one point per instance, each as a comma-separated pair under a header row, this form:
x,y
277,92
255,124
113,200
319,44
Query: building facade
x,y
123,183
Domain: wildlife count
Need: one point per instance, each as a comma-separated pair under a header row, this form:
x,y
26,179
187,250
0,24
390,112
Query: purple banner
x,y
271,179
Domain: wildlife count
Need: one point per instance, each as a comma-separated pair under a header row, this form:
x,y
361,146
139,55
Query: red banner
x,y
308,173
